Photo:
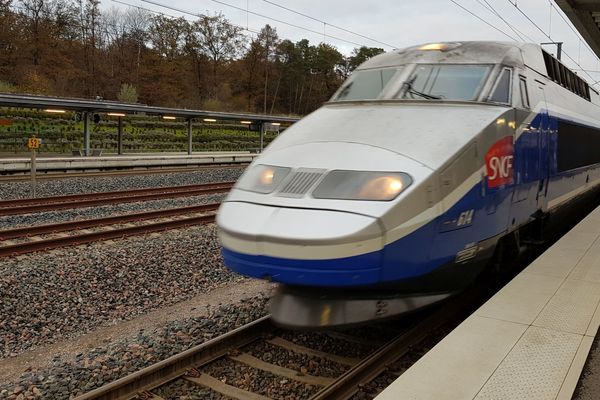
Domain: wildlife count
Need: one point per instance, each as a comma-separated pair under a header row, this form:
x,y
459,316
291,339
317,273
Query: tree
x,y
34,83
167,35
128,94
76,48
219,40
268,40
8,33
126,36
6,87
361,55
90,19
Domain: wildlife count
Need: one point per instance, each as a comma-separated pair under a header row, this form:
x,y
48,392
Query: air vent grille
x,y
300,183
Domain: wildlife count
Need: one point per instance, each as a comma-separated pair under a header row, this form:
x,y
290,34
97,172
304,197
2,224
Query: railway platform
x,y
15,165
530,341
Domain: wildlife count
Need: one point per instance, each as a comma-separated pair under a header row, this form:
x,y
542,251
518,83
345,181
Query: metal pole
x,y
120,137
33,173
189,132
86,134
558,48
262,136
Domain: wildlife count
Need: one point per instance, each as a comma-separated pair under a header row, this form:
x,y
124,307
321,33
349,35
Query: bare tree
x,y
167,36
219,40
269,40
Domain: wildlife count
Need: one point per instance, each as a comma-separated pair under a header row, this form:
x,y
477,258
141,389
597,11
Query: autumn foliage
x,y
73,48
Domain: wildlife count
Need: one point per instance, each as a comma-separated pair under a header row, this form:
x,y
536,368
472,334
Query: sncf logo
x,y
499,162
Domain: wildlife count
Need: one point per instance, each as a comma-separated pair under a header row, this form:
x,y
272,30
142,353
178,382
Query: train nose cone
x,y
301,246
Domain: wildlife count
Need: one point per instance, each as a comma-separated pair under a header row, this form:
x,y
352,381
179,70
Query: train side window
x,y
501,92
524,94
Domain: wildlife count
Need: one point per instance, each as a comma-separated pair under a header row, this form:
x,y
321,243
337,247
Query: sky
x,y
393,24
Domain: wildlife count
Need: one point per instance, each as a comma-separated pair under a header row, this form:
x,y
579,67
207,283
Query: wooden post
x,y
33,173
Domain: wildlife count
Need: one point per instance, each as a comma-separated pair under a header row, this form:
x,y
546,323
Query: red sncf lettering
x,y
499,162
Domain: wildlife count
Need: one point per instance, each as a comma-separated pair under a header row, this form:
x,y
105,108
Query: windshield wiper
x,y
409,89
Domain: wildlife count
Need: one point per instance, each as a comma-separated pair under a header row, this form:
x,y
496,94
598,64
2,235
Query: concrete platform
x,y
48,164
530,341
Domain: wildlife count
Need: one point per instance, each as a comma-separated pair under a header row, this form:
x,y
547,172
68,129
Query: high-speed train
x,y
397,192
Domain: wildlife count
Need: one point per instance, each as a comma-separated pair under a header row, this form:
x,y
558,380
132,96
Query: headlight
x,y
262,178
357,185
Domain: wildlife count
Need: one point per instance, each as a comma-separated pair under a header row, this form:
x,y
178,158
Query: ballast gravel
x,y
310,365
65,186
258,381
87,371
325,343
49,296
181,389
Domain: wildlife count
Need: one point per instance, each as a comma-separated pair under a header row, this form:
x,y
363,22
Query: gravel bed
x,y
315,366
87,371
373,388
52,217
44,298
59,187
185,390
325,343
258,381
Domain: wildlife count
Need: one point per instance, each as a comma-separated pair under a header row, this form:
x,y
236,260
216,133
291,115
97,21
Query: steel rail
x,y
344,387
28,231
24,176
95,195
350,382
48,244
27,206
177,365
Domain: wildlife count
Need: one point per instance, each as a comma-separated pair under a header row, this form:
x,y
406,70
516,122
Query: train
x,y
424,165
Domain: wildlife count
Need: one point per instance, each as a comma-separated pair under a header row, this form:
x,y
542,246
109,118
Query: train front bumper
x,y
301,246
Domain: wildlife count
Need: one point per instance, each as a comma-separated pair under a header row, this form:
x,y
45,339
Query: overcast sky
x,y
397,23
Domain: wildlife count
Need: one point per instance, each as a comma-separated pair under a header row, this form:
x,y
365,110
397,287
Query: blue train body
x,y
339,248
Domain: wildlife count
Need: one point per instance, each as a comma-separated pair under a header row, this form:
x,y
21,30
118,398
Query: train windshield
x,y
366,85
445,82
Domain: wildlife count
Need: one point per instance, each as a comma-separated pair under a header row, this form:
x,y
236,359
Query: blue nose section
x,y
364,269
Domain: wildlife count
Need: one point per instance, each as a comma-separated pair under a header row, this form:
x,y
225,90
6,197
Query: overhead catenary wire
x,y
481,19
566,21
493,10
550,38
102,24
173,16
256,14
331,25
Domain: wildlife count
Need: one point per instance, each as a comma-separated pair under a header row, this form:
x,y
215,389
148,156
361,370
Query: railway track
x,y
196,370
43,204
23,240
26,176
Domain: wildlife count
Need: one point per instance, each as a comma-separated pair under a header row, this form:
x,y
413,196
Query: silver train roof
x,y
469,52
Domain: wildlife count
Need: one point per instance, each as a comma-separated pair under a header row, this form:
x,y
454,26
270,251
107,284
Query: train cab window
x,y
524,94
447,82
366,84
501,91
